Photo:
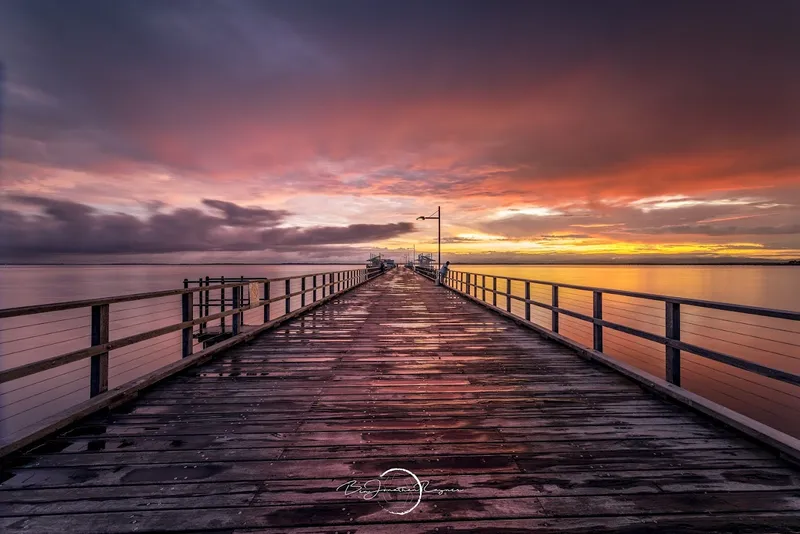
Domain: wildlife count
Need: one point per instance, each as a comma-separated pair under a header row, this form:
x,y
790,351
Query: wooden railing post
x,y
236,302
288,299
554,316
99,365
527,301
598,314
314,290
303,294
483,287
266,304
494,291
187,314
673,322
508,294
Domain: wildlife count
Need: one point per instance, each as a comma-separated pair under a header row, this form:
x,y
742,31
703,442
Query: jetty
x,y
284,400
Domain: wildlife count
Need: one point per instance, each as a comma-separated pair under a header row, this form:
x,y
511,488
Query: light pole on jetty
x,y
438,216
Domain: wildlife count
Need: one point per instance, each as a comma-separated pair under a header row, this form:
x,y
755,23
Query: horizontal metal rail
x,y
495,292
235,297
467,283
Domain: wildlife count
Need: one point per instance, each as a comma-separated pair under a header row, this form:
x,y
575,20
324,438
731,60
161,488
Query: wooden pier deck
x,y
399,373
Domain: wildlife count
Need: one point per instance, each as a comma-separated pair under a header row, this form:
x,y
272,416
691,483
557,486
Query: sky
x,y
317,131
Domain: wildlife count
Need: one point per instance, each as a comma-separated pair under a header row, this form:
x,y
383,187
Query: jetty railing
x,y
64,360
427,272
745,358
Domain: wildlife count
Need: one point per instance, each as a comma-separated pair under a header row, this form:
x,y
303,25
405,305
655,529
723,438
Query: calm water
x,y
772,342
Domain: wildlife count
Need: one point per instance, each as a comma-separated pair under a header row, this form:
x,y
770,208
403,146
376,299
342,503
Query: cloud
x,y
563,236
58,227
711,230
153,108
584,101
246,216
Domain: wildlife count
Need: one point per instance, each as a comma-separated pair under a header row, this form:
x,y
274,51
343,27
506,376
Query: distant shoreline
x,y
538,264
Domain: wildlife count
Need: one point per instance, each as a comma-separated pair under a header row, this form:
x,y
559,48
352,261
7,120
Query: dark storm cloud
x,y
236,215
63,227
554,89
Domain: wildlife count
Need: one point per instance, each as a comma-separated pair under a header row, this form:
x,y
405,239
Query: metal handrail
x,y
324,287
467,283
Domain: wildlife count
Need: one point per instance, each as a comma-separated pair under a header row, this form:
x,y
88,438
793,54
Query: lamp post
x,y
438,216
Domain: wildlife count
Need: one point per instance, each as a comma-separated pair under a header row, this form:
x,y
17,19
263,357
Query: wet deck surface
x,y
400,374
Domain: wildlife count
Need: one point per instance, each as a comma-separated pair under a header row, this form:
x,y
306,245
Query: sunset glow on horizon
x,y
319,131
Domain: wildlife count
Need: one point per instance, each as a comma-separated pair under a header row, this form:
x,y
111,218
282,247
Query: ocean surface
x,y
772,342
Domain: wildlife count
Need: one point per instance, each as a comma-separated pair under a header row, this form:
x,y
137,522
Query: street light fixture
x,y
438,216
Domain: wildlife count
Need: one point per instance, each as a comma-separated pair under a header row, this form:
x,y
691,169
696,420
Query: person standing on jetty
x,y
443,273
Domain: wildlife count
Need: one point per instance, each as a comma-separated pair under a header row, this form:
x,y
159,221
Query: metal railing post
x,y
527,301
222,304
99,364
303,292
207,311
288,299
186,333
598,314
554,316
266,304
200,302
508,294
673,323
236,302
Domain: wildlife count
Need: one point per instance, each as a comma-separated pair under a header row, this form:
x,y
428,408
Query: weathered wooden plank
x,y
312,492
366,512
496,462
149,451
